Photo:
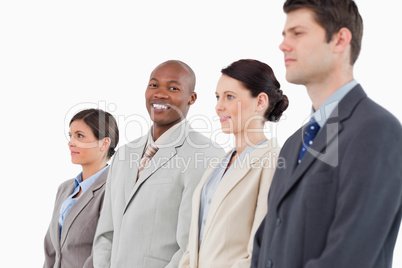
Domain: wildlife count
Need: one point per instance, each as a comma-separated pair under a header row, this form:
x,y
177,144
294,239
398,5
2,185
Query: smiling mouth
x,y
224,118
74,153
158,107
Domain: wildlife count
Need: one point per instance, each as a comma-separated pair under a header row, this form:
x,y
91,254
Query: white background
x,y
57,57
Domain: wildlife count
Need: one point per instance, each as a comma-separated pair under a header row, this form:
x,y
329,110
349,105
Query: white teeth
x,y
159,106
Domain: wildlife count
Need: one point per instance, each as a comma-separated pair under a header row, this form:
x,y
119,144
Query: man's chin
x,y
294,79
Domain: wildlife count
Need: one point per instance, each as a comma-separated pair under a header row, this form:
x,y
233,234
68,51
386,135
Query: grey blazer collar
x,y
81,203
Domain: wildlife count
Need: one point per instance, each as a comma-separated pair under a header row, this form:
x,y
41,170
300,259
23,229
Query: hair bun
x,y
279,108
112,152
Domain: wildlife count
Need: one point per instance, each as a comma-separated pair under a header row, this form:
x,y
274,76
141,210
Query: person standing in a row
x,y
338,202
231,199
146,215
94,136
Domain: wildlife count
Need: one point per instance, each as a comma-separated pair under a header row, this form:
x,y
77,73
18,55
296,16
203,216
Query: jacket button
x,y
269,264
278,222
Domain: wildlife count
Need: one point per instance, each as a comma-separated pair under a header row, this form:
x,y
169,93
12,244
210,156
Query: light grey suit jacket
x,y
73,248
146,223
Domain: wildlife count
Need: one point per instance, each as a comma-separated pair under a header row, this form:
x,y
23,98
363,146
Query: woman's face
x,y
235,106
84,146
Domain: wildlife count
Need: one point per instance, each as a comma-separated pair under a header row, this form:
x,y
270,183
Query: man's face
x,y
168,95
308,57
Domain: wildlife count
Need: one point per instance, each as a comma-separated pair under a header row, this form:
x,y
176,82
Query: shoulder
x,y
66,185
103,176
134,146
197,137
270,147
357,108
99,183
198,142
375,112
374,120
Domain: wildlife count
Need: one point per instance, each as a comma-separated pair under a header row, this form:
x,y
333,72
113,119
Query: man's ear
x,y
193,98
342,40
262,102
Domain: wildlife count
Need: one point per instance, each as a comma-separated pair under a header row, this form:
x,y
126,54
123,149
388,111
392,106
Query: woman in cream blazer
x,y
231,200
68,241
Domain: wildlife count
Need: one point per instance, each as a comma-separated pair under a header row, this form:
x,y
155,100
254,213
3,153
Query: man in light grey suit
x,y
145,218
337,203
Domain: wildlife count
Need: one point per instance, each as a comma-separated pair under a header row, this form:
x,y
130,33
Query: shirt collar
x,y
165,136
88,182
248,150
329,105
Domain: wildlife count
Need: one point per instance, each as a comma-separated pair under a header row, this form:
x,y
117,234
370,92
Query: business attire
x,y
69,239
145,223
341,205
223,223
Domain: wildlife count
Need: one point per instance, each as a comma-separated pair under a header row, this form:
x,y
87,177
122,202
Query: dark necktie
x,y
309,134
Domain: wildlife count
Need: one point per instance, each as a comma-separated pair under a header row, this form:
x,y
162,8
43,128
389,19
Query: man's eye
x,y
152,85
174,88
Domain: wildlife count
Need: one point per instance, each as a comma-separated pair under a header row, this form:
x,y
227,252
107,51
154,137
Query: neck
x,y
243,140
158,130
91,169
321,90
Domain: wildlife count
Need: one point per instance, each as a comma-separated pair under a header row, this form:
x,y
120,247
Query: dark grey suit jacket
x,y
342,207
74,248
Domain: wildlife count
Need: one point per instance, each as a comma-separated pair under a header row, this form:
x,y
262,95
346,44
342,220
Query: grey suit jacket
x,y
146,223
73,248
341,208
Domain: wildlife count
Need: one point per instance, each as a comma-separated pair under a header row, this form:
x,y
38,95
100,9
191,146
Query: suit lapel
x,y
56,214
130,180
81,203
326,144
157,161
326,141
162,156
232,179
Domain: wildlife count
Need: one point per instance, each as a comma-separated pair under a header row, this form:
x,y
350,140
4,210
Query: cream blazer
x,y
237,209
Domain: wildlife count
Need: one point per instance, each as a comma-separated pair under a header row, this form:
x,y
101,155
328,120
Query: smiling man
x,y
146,214
337,204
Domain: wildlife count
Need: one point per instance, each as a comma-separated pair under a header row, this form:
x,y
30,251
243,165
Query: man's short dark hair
x,y
333,15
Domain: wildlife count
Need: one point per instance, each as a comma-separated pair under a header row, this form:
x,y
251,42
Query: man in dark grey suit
x,y
337,202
